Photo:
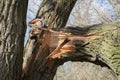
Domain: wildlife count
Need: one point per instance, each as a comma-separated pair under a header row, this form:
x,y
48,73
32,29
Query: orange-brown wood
x,y
57,39
58,45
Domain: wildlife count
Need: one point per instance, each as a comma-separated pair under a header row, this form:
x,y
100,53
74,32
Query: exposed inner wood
x,y
58,44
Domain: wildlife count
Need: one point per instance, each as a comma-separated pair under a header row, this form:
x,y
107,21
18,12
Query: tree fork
x,y
41,71
37,67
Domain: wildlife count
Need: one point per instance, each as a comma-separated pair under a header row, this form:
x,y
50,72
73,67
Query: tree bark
x,y
100,44
12,33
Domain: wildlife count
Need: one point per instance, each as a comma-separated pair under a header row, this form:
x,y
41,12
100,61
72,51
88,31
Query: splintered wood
x,y
62,42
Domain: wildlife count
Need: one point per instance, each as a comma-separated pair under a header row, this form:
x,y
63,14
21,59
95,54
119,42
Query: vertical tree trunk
x,y
12,32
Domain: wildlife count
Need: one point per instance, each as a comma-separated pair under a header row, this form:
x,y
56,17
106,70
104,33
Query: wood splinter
x,y
66,43
59,42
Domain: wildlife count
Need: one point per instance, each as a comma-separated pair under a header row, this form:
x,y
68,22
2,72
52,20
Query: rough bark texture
x,y
12,31
101,45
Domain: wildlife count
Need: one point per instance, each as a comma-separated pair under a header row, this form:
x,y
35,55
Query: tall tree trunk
x,y
100,44
12,32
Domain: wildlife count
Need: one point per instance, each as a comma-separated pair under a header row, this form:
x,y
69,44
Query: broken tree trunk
x,y
56,17
93,43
